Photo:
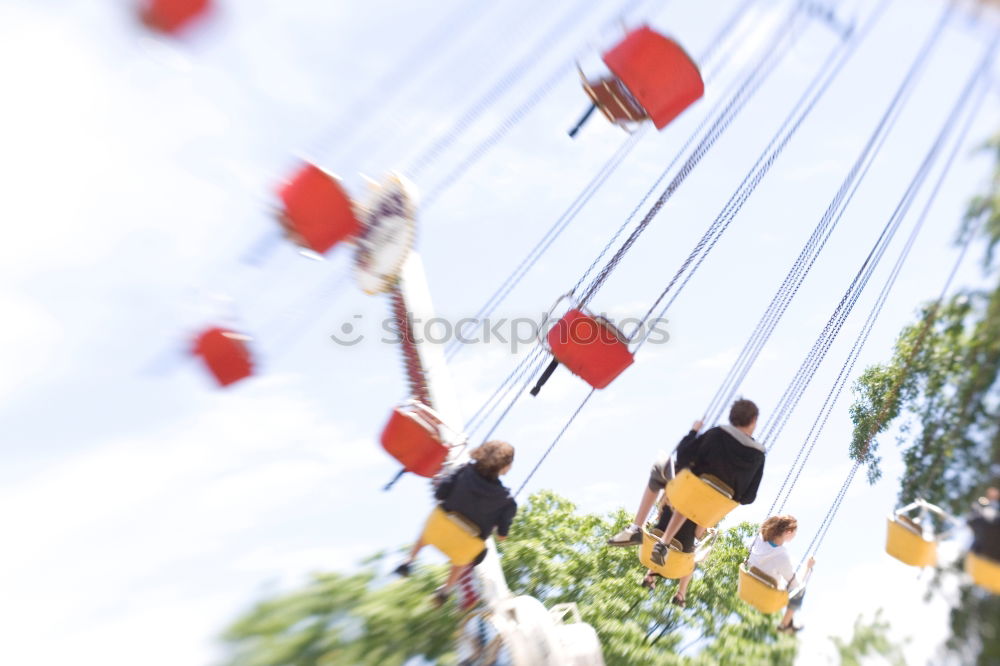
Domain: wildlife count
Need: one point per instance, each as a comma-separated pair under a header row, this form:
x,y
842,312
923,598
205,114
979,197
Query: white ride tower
x,y
506,630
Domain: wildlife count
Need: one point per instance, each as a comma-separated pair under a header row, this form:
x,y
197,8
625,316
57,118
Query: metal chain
x,y
511,380
821,233
505,83
555,441
758,74
395,79
550,236
931,317
824,525
821,419
817,87
525,363
715,110
517,396
860,281
584,197
753,81
542,91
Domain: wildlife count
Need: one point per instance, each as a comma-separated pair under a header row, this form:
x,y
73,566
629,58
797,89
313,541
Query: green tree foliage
x,y
556,555
559,556
338,619
870,639
946,393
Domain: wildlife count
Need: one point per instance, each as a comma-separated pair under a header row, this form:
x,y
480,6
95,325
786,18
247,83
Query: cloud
x,y
189,512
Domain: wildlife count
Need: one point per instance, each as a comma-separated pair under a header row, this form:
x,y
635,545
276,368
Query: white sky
x,y
144,509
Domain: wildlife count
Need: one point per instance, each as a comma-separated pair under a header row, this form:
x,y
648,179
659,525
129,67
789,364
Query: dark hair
x,y
775,526
490,458
743,413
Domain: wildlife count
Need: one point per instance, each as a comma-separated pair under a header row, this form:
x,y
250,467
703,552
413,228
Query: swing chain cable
x,y
564,220
518,370
517,395
807,370
512,76
925,328
554,441
828,518
512,119
722,35
714,113
775,316
833,396
592,188
824,228
758,74
532,361
814,92
818,353
918,343
396,78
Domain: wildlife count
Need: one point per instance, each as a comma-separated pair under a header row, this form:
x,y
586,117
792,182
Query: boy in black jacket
x,y
474,491
727,452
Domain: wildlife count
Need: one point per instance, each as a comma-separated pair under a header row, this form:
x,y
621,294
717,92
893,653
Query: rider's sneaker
x,y
630,536
659,554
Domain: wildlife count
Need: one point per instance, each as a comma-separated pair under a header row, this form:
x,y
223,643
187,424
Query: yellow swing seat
x,y
761,591
677,564
985,571
905,541
704,500
453,535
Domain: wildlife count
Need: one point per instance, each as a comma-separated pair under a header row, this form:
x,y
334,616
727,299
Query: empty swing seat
x,y
985,572
761,591
317,213
657,72
413,437
905,541
705,500
453,535
590,346
225,355
677,563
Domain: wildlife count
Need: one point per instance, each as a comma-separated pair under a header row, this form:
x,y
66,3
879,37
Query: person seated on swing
x,y
769,557
686,535
659,475
985,525
475,492
729,453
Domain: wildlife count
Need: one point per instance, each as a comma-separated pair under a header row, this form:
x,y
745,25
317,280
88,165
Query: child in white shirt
x,y
770,556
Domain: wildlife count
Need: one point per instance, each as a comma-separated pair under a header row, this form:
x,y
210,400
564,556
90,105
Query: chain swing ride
x,y
649,77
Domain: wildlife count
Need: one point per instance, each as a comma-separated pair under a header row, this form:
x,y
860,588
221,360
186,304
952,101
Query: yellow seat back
x,y
677,564
759,591
697,499
453,535
904,541
985,572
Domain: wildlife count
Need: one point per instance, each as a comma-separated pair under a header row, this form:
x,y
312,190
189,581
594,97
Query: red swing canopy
x,y
412,437
658,72
591,347
225,355
317,212
172,16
